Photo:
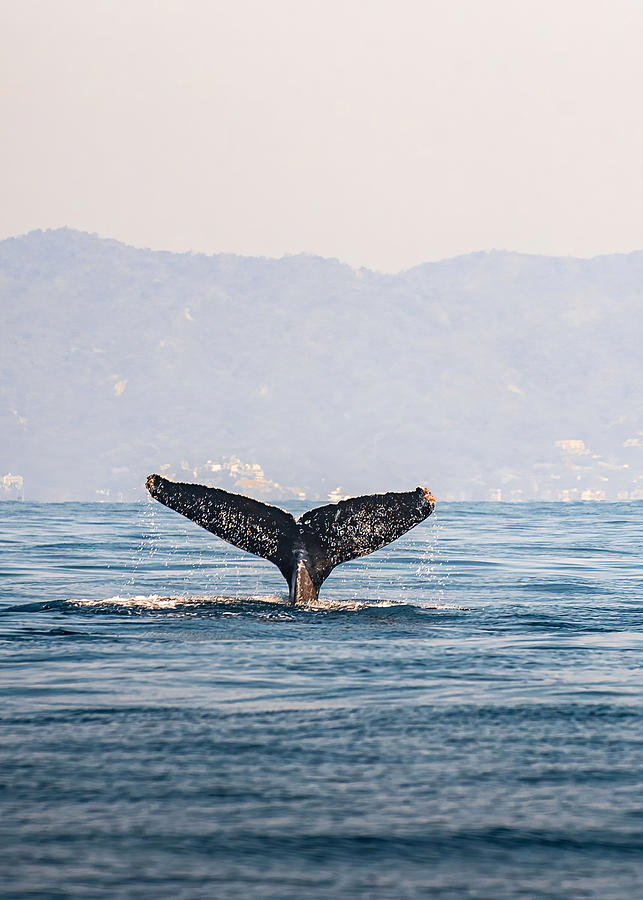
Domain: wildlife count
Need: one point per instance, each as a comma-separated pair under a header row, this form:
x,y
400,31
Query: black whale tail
x,y
306,550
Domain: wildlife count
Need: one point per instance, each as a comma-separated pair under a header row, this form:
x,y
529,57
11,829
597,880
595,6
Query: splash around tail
x,y
307,549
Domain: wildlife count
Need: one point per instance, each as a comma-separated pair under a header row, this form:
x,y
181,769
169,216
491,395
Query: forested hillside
x,y
485,376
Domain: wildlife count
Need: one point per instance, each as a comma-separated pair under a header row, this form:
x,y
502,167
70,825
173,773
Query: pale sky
x,y
383,133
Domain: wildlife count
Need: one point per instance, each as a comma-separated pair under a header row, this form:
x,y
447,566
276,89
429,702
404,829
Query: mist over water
x,y
460,715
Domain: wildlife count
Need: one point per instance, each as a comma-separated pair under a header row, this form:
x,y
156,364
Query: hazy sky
x,y
385,133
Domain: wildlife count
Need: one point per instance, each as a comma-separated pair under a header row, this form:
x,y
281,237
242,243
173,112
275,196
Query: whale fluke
x,y
305,550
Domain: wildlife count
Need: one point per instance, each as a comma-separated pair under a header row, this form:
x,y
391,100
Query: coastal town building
x,y
12,487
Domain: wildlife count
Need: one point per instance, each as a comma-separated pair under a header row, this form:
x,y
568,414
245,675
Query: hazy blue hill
x,y
462,374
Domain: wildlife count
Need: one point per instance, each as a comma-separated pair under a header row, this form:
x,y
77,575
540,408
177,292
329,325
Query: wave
x,y
158,603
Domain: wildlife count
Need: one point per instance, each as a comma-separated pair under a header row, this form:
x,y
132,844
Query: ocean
x,y
460,716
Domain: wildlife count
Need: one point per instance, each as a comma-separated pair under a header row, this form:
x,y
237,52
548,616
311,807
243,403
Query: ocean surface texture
x,y
460,716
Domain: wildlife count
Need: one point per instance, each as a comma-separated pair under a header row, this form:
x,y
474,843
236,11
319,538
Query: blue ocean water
x,y
461,715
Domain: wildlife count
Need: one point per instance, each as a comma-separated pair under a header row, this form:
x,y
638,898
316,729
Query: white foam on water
x,y
159,602
156,601
347,605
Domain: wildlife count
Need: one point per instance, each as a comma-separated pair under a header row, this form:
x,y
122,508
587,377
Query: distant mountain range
x,y
488,376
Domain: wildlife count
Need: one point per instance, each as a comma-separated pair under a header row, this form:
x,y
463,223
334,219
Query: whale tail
x,y
305,550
